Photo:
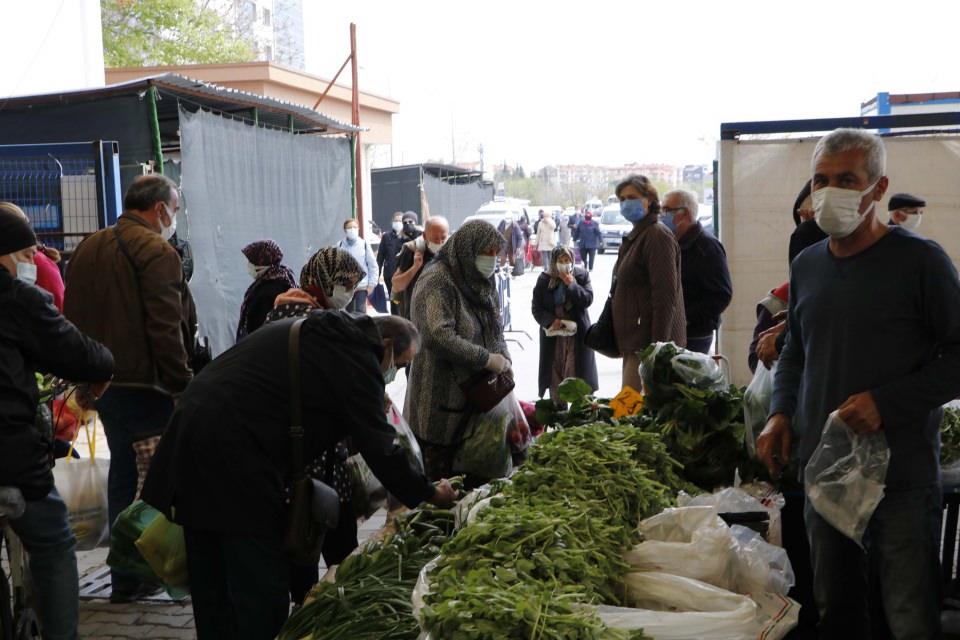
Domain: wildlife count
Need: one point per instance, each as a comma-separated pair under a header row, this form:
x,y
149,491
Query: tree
x,y
168,32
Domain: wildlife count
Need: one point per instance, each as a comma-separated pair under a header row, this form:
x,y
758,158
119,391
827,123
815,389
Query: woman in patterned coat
x,y
457,310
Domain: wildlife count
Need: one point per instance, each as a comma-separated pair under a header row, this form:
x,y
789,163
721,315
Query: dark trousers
x,y
128,415
238,585
359,302
589,257
798,550
700,344
902,552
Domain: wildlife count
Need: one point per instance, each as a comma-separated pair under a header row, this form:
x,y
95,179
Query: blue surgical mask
x,y
667,219
633,210
390,375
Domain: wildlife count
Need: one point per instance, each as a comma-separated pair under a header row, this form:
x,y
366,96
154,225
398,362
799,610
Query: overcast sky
x,y
613,82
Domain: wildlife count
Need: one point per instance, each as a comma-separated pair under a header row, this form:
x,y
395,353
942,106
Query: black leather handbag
x,y
314,506
600,336
485,390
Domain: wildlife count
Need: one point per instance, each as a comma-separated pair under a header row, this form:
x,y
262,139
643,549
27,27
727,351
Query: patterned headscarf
x,y
555,256
263,253
459,255
328,267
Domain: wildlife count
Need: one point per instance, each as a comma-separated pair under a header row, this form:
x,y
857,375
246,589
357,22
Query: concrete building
x,y
290,85
273,27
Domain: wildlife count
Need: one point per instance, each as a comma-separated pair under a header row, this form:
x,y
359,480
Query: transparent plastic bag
x,y
405,436
699,370
485,450
739,500
421,590
368,492
756,404
846,475
692,542
82,483
760,567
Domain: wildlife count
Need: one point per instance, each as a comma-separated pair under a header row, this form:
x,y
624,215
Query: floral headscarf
x,y
459,255
328,267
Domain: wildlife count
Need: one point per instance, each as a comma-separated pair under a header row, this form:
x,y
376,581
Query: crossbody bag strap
x,y
296,409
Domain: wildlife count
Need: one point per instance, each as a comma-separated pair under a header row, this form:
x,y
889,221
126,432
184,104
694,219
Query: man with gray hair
x,y
707,288
874,334
127,290
414,256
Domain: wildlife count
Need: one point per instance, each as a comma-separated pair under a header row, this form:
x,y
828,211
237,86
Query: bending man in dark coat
x,y
223,467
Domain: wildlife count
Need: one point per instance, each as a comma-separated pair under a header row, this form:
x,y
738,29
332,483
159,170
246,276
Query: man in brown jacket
x,y
126,289
648,298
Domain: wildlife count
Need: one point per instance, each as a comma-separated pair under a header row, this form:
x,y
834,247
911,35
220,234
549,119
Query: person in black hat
x,y
37,338
906,211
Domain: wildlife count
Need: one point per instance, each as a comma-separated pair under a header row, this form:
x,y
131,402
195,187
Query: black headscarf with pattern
x,y
459,255
329,267
262,253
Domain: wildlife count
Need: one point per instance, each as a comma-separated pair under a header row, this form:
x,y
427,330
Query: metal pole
x,y
353,174
358,157
256,117
155,129
290,122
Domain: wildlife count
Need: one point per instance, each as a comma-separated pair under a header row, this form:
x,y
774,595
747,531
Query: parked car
x,y
495,212
613,227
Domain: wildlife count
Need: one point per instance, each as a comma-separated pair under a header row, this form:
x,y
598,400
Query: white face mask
x,y
254,270
341,296
27,272
564,267
912,222
167,232
486,265
352,233
435,246
397,226
837,210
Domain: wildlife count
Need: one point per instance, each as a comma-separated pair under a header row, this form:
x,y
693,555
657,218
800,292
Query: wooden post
x,y
358,168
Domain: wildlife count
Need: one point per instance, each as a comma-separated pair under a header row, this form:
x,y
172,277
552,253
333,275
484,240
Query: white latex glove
x,y
496,363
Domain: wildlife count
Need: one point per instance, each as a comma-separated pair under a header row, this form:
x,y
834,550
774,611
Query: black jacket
x,y
390,245
261,303
707,288
35,337
224,461
580,293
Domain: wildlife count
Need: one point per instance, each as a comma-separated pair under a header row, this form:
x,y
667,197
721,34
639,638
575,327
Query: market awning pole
x,y
155,130
358,157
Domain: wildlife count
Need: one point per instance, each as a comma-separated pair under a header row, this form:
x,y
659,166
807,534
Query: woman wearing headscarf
x,y
270,279
561,303
327,281
457,310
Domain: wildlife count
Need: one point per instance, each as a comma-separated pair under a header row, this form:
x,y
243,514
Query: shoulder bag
x,y
314,506
600,336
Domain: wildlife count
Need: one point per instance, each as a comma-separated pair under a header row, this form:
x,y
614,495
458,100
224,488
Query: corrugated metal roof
x,y
211,96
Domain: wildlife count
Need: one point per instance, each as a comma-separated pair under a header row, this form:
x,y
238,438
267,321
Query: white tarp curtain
x,y
242,183
759,181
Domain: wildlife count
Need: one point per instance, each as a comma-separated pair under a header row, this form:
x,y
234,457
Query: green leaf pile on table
x,y
370,598
539,554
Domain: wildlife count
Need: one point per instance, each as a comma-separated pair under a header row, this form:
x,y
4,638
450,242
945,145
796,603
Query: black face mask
x,y
408,227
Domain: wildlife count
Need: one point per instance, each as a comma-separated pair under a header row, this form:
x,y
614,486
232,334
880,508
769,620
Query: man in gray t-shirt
x,y
874,332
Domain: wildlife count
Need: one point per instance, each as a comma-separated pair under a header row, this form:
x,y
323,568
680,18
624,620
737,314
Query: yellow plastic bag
x,y
162,545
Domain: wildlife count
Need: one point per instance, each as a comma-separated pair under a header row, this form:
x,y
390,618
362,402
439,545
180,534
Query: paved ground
x,y
163,619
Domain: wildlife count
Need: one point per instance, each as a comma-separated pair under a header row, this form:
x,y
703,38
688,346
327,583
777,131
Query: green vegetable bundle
x,y
950,436
370,598
702,427
552,544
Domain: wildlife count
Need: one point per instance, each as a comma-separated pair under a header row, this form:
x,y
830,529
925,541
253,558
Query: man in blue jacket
x,y
874,333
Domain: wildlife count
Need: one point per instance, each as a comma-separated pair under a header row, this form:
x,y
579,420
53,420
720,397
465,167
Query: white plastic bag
x,y
82,483
421,590
405,437
699,370
846,475
738,500
692,542
756,404
676,608
760,567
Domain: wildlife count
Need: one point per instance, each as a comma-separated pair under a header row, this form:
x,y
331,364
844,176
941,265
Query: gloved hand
x,y
496,363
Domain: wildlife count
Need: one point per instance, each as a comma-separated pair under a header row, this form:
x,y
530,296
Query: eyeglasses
x,y
674,210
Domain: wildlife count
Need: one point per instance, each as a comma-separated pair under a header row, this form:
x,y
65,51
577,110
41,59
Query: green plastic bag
x,y
129,526
163,547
